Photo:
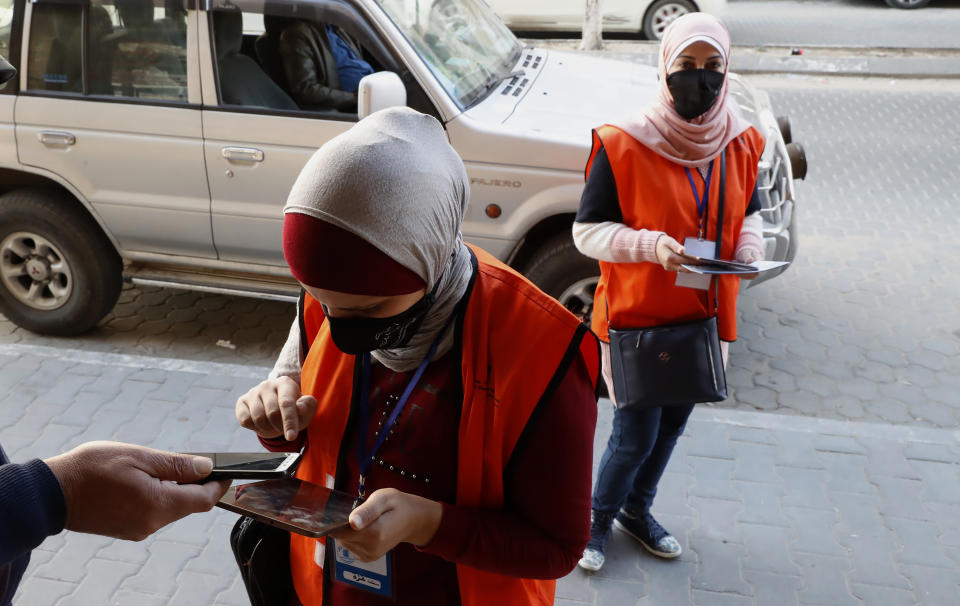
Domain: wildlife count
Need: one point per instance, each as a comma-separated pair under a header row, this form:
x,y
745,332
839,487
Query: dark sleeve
x,y
545,523
32,507
306,74
281,445
599,201
754,206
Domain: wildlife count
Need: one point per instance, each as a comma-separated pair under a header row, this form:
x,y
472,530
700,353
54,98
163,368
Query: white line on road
x,y
80,356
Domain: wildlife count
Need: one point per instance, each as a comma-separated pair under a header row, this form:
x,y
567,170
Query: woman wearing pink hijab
x,y
652,189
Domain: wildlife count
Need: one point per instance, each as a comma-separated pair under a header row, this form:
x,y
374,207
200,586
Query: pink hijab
x,y
661,128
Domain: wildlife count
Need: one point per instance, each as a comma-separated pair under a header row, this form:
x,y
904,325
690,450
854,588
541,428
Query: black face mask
x,y
360,335
694,91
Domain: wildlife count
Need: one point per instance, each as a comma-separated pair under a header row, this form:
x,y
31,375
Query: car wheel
x,y
661,14
561,271
907,3
59,275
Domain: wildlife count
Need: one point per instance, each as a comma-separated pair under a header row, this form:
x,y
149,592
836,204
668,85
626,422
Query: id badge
x,y
375,577
697,248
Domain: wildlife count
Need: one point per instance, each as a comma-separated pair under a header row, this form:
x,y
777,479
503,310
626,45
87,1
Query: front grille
x,y
772,186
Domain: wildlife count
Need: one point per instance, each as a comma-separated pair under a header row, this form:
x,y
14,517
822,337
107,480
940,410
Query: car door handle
x,y
242,154
58,138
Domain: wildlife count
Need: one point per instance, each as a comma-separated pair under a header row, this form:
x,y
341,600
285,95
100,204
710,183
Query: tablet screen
x,y
292,504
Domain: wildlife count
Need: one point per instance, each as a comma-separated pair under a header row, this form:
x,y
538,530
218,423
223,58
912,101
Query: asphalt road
x,y
843,23
832,23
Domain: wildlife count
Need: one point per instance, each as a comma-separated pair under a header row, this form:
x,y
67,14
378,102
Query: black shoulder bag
x,y
263,554
672,364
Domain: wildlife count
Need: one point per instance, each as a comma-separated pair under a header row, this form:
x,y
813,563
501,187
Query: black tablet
x,y
721,264
292,504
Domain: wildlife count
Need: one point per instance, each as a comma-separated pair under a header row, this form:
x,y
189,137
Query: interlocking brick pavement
x,y
771,509
866,324
155,321
174,405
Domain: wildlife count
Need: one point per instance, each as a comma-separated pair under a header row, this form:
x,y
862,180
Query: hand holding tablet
x,y
702,265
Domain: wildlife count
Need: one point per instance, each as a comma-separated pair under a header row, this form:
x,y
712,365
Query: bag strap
x,y
719,245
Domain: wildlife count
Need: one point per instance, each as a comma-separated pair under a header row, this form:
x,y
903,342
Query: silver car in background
x,y
647,17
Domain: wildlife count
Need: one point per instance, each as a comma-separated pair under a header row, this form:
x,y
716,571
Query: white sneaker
x,y
592,560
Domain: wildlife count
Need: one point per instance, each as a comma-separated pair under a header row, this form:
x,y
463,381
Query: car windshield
x,y
466,46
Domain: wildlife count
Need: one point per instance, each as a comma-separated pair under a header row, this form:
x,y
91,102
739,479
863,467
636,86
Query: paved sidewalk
x,y
771,509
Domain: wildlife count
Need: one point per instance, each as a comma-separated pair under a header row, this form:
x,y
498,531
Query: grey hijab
x,y
395,181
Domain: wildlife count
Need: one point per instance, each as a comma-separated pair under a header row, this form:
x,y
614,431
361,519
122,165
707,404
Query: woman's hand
x,y
749,257
386,519
670,253
276,408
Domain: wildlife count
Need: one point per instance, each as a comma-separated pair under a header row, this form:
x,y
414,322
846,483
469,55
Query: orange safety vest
x,y
655,194
504,381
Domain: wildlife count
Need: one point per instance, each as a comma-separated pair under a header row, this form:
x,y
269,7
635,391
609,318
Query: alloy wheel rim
x,y
34,271
665,15
578,297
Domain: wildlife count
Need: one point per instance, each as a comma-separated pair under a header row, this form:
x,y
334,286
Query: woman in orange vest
x,y
427,377
651,184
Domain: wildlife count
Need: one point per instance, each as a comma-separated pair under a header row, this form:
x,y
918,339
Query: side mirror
x,y
380,91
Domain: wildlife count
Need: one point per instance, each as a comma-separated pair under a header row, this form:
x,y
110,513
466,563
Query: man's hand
x,y
129,492
670,253
386,519
276,408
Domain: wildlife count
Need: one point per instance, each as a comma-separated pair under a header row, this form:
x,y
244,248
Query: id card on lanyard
x,y
698,246
376,576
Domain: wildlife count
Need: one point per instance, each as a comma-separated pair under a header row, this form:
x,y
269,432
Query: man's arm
x,y
129,492
32,507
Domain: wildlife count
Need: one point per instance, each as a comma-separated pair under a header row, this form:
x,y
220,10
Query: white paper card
x,y
697,248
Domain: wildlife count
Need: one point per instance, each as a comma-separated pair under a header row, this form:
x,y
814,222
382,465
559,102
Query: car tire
x,y
907,3
59,275
661,13
564,273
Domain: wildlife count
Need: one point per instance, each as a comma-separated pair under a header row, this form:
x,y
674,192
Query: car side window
x,y
135,49
54,59
310,61
242,77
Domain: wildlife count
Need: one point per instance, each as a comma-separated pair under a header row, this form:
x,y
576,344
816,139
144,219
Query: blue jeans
x,y
639,448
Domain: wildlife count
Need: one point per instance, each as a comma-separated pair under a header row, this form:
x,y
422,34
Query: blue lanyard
x,y
701,203
364,458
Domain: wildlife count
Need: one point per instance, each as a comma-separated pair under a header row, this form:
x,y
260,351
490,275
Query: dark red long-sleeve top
x,y
545,522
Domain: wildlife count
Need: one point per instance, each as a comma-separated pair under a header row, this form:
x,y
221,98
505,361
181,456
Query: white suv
x,y
153,141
